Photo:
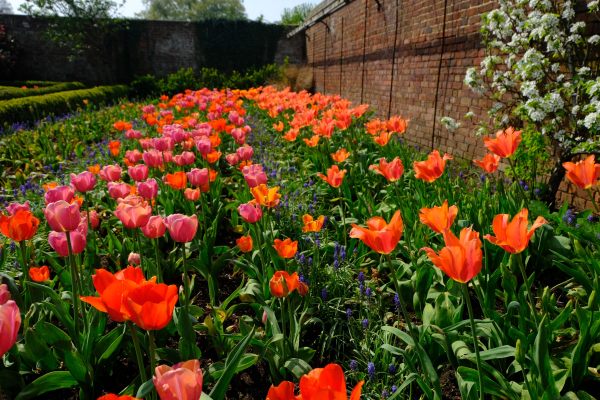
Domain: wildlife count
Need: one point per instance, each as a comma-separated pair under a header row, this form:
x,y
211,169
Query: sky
x,y
270,9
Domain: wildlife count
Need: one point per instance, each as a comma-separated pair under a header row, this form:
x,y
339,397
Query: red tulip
x,y
40,274
392,171
244,243
138,173
22,225
112,396
182,228
327,383
380,236
191,194
282,284
151,305
489,163
286,248
334,177
147,189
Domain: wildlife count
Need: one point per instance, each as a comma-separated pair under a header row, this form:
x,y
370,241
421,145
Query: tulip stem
x,y
157,258
521,189
23,248
74,287
519,257
475,340
138,351
139,246
151,350
186,282
591,193
343,217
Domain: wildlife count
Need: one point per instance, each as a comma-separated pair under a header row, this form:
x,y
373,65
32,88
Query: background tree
x,y
193,10
88,29
296,15
541,71
5,7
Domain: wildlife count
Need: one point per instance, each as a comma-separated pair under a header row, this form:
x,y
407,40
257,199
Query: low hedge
x,y
12,92
37,107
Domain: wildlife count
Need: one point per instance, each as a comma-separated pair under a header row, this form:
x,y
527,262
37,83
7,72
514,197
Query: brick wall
x,y
401,58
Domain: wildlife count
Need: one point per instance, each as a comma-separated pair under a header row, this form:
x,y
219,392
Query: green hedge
x,y
11,92
29,83
37,107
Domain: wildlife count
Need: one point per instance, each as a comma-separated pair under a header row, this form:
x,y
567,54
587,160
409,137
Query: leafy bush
x,y
37,107
11,92
179,81
144,86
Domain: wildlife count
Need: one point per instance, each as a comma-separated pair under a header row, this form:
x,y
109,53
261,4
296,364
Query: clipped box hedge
x,y
12,92
37,107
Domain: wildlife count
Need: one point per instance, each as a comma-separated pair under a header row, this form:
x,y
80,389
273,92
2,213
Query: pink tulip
x,y
250,212
155,227
183,381
62,216
118,190
83,182
198,177
65,193
133,212
153,158
181,227
133,156
147,189
58,241
10,321
133,134
4,294
146,143
204,145
245,152
235,118
134,259
94,219
163,143
185,158
232,159
254,175
239,136
111,173
138,173
14,207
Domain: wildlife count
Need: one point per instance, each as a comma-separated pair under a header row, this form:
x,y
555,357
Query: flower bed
x,y
239,242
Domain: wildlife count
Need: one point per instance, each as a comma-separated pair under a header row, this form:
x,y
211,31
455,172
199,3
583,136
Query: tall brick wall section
x,y
409,58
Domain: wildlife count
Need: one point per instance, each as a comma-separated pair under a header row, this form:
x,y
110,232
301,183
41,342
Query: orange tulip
x,y
213,156
505,143
380,236
112,396
396,125
282,284
392,171
114,289
278,126
40,274
49,186
266,197
513,236
286,248
313,141
284,391
291,135
461,258
585,173
383,138
439,219
374,126
327,383
312,225
340,156
334,176
177,180
432,168
122,126
151,305
489,163
115,147
244,243
22,225
94,169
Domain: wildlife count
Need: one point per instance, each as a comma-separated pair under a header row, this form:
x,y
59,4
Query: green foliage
x,y
38,107
144,86
533,157
193,10
296,15
9,92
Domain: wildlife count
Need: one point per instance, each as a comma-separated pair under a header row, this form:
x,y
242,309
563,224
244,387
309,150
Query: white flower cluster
x,y
450,123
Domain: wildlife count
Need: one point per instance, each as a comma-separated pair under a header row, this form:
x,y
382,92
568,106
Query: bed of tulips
x,y
292,240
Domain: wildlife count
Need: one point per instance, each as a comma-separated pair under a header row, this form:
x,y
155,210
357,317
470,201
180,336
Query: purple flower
x,y
324,293
392,368
353,365
371,370
348,313
365,323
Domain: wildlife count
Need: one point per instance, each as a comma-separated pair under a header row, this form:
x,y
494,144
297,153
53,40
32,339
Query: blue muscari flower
x,y
361,287
361,276
365,323
394,388
392,368
569,217
371,370
309,262
348,313
591,218
482,178
368,292
324,293
353,365
384,394
397,301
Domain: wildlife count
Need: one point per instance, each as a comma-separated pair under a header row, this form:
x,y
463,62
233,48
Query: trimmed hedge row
x,y
37,107
11,92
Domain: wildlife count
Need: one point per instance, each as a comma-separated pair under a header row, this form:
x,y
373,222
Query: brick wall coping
x,y
322,10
